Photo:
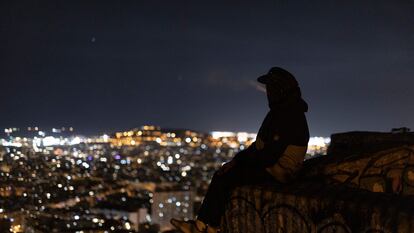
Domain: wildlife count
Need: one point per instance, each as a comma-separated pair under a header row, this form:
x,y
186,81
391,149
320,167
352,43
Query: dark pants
x,y
218,193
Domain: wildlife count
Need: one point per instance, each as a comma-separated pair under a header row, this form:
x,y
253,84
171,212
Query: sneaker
x,y
187,226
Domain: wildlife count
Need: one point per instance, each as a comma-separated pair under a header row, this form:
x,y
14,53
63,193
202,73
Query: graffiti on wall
x,y
390,171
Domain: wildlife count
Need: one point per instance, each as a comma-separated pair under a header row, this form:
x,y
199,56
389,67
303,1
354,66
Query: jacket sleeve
x,y
292,131
266,156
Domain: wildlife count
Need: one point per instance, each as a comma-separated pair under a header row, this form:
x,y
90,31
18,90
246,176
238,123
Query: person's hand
x,y
226,167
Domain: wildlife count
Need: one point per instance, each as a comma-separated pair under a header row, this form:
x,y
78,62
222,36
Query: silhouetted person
x,y
275,156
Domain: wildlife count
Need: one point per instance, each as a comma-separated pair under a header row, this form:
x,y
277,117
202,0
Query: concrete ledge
x,y
342,193
312,207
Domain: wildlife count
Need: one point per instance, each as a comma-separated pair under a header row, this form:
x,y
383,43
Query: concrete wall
x,y
389,171
364,193
312,208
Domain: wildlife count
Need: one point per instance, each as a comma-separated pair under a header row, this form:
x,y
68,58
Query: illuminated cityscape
x,y
128,181
115,116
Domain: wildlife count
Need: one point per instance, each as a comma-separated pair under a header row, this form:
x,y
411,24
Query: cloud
x,y
258,86
221,79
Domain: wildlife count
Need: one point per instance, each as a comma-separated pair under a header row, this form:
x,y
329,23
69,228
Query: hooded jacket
x,y
282,140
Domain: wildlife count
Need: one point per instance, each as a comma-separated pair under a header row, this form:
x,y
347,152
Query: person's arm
x,y
262,155
291,133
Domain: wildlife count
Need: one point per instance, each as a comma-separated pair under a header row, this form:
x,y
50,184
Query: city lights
x,y
55,172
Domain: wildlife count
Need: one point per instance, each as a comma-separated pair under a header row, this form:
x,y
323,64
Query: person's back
x,y
282,140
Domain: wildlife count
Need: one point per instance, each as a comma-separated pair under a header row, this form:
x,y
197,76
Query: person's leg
x,y
218,194
219,191
214,199
207,218
212,206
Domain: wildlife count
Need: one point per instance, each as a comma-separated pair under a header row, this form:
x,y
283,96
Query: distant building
x,y
154,134
317,146
120,206
169,204
136,217
5,225
35,131
232,139
400,130
149,228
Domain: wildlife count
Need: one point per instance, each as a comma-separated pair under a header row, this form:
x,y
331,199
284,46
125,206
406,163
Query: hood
x,y
293,102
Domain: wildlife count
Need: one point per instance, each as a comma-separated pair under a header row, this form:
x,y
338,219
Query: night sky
x,y
101,66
